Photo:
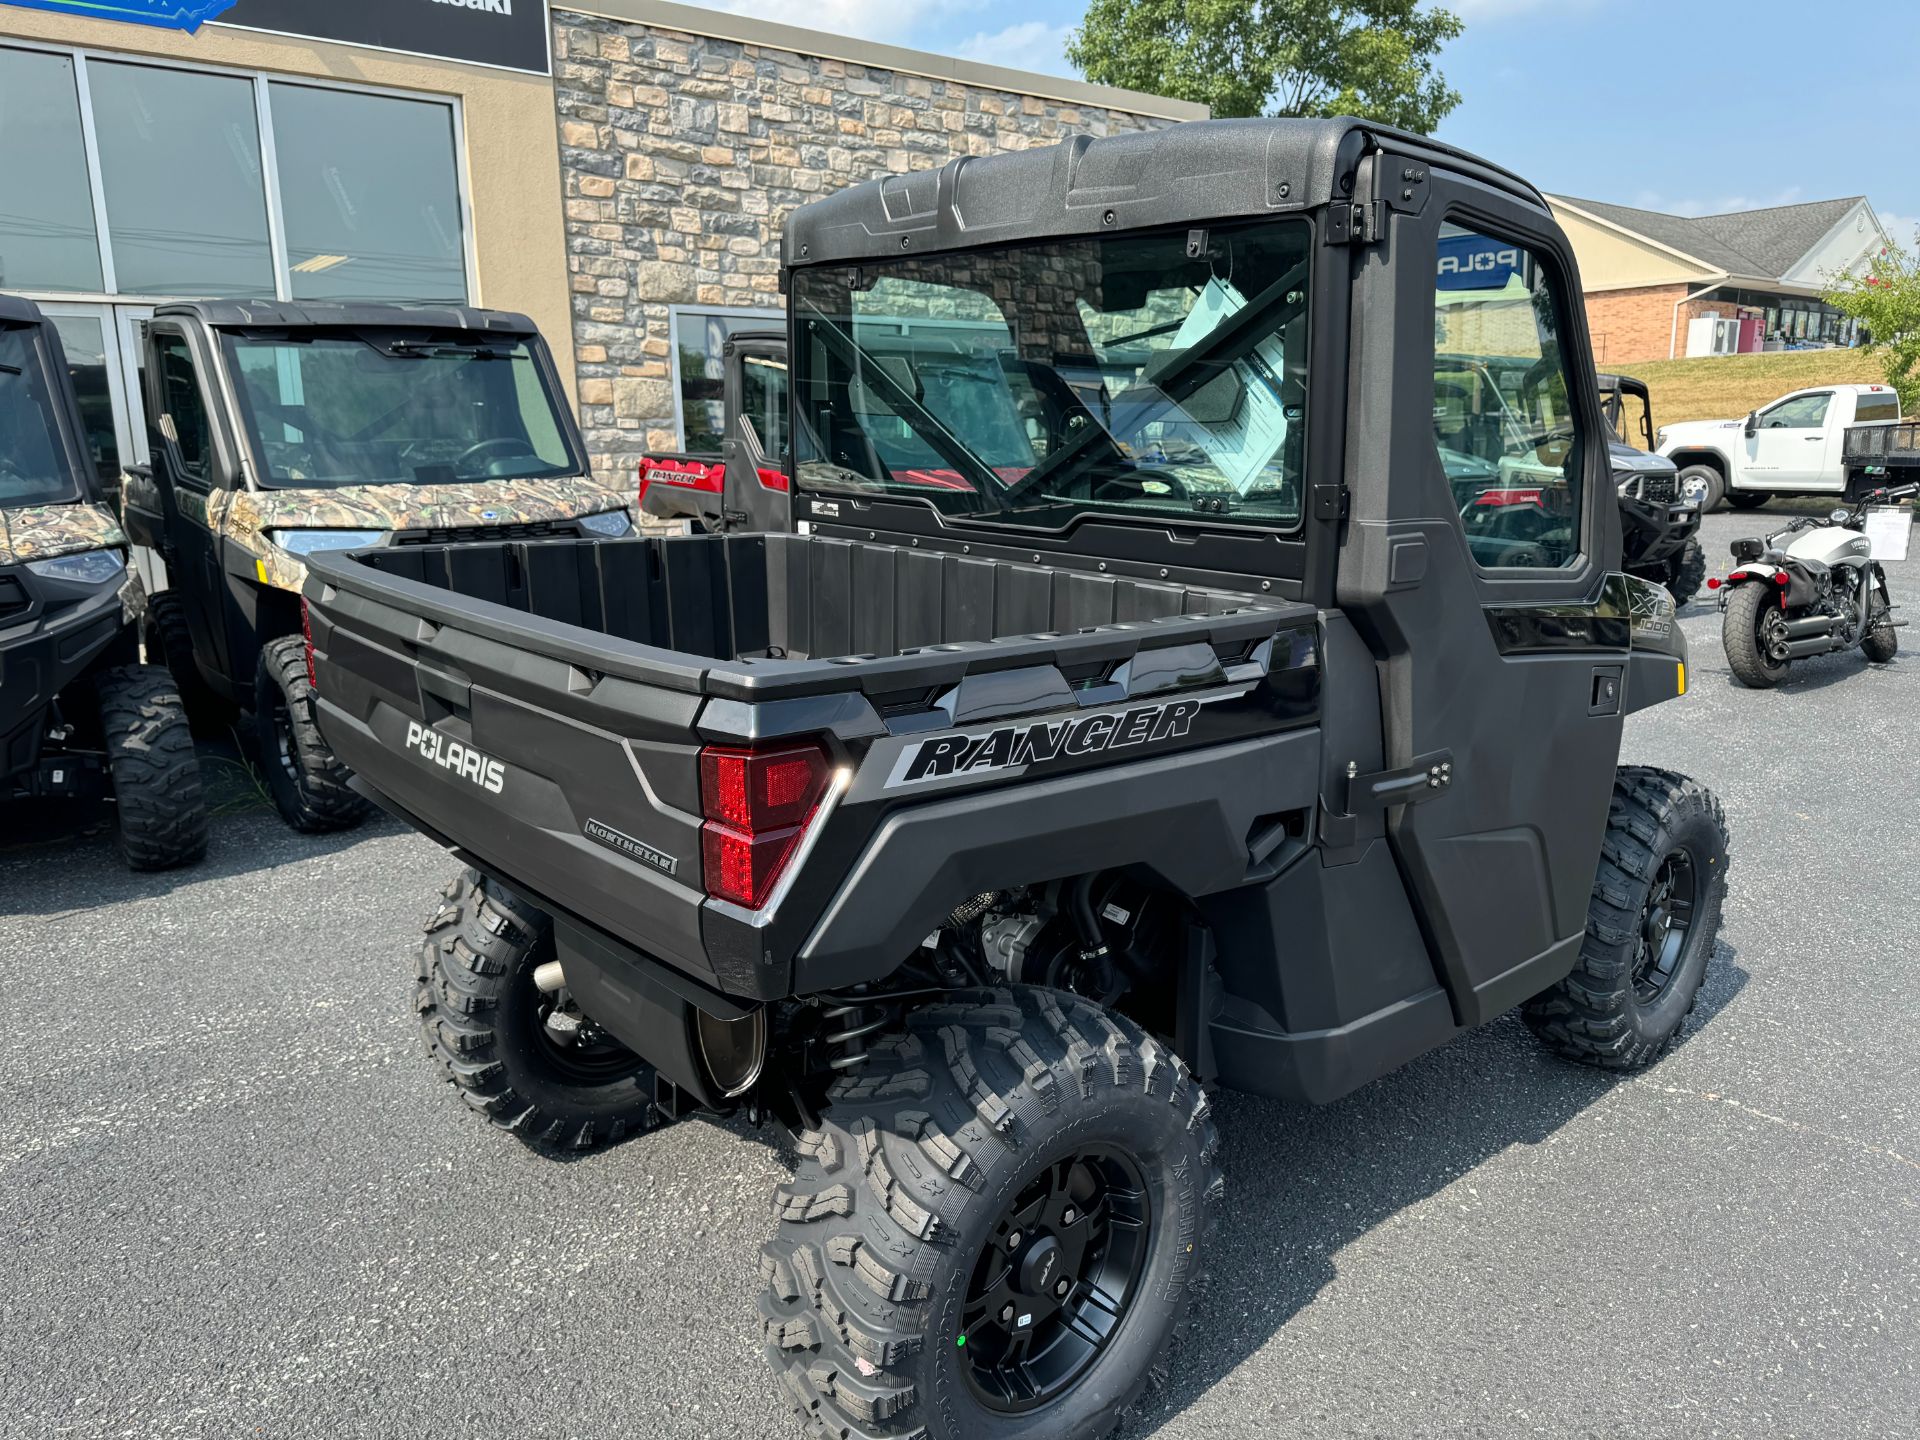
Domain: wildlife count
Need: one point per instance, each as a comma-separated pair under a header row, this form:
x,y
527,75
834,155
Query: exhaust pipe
x,y
1809,626
1812,645
733,1051
549,979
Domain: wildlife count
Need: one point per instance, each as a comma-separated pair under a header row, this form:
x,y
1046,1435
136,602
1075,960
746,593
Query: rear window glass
x,y
1872,409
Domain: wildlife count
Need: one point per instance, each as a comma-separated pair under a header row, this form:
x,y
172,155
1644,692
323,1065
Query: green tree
x,y
1371,58
1886,299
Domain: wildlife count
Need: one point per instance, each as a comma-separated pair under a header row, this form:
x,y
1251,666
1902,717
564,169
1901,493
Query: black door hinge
x,y
1359,222
1428,778
1331,502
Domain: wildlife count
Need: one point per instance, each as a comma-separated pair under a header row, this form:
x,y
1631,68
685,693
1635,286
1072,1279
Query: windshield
x,y
347,410
1036,384
34,469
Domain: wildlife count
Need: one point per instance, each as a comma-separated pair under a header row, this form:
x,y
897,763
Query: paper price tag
x,y
1890,528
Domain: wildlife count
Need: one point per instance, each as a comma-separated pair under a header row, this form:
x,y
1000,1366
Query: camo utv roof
x,y
1201,171
278,314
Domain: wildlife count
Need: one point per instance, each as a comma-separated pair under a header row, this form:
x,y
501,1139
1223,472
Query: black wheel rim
x,y
1665,927
1770,631
1055,1281
284,753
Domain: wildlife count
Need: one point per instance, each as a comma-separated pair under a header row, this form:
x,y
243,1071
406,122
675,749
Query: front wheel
x,y
1686,573
159,807
1651,925
306,779
999,1229
521,1056
1881,642
1748,632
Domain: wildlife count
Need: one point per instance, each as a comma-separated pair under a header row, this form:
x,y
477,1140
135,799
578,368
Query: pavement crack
x,y
1799,1126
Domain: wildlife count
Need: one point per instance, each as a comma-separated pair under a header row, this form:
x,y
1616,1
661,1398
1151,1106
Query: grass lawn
x,y
1725,387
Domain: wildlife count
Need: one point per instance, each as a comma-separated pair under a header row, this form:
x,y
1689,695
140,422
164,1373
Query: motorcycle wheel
x,y
1751,612
1882,641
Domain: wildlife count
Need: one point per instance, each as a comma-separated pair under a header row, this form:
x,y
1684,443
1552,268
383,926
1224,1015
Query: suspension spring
x,y
856,1021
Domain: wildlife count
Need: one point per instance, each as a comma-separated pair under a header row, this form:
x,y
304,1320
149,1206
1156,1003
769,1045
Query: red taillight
x,y
1497,499
1782,579
757,804
1713,582
306,633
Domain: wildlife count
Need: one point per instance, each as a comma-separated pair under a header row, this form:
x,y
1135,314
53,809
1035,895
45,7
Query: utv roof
x,y
1203,170
15,311
278,314
1628,383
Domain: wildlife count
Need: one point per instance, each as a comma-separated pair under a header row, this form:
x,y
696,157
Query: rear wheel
x,y
306,779
998,1230
159,807
1881,642
1651,926
1686,573
1746,499
523,1057
1748,631
1703,485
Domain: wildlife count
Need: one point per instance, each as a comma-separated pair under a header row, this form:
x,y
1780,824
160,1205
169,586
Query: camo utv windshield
x,y
423,409
34,469
1034,384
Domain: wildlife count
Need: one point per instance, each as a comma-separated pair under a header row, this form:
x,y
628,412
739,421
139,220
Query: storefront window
x,y
47,235
371,196
699,339
186,193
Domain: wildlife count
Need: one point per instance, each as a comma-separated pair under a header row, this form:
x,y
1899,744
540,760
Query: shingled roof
x,y
1759,244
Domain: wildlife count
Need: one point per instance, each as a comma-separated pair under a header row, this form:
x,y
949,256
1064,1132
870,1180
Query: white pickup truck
x,y
1792,447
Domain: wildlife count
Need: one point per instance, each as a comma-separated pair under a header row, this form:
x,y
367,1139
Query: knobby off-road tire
x,y
306,779
1686,573
1630,995
1740,634
900,1208
1881,642
482,1019
1713,485
170,643
159,807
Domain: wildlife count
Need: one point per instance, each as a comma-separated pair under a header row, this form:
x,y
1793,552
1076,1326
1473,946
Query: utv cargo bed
x,y
545,702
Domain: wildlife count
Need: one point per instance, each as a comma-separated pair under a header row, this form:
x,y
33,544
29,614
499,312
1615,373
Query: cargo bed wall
x,y
732,597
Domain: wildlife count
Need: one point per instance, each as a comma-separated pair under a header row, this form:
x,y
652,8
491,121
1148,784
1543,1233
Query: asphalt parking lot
x,y
235,1201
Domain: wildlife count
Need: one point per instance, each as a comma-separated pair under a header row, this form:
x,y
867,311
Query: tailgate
x,y
579,785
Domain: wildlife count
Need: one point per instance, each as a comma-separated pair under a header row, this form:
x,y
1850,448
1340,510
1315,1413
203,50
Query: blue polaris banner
x,y
188,15
507,34
1478,262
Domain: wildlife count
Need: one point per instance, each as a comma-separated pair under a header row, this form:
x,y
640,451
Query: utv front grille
x,y
463,534
1661,489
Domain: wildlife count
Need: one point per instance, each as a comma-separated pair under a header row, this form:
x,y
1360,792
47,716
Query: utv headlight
x,y
610,523
89,567
305,542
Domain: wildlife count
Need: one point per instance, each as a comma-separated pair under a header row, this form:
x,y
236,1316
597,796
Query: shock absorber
x,y
849,1023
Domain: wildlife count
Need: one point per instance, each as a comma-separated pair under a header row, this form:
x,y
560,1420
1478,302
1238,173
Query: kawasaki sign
x,y
508,34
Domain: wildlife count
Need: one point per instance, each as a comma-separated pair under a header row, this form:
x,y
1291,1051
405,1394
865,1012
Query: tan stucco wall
x,y
513,151
1612,261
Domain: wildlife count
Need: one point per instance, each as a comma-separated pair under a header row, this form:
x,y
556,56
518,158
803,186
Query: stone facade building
x,y
687,135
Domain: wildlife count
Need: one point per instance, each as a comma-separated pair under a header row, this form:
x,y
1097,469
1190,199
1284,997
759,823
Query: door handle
x,y
1815,439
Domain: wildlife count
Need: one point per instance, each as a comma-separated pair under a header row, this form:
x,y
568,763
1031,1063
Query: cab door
x,y
1501,656
755,451
1789,449
187,477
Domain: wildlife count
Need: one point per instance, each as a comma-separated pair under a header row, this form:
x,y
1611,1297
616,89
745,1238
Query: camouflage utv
x,y
280,430
80,718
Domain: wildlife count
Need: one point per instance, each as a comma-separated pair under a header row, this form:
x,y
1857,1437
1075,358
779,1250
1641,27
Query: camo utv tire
x,y
306,779
170,643
481,1017
159,804
1016,1163
1652,925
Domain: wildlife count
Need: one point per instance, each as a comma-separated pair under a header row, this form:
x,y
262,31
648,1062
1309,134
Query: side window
x,y
1802,412
1510,439
763,385
183,407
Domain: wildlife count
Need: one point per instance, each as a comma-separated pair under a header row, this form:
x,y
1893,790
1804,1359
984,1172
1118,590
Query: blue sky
x,y
1690,106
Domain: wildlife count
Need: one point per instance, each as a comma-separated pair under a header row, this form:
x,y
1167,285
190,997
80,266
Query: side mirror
x,y
1753,422
139,472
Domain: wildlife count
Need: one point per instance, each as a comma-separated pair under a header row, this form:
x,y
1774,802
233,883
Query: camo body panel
x,y
245,516
40,532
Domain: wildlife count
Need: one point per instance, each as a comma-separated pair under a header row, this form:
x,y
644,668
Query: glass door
x,y
131,322
92,342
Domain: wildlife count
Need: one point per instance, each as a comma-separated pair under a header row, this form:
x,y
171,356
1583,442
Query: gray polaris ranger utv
x,y
1125,714
80,717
